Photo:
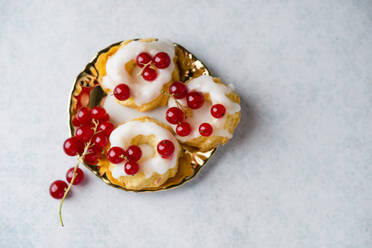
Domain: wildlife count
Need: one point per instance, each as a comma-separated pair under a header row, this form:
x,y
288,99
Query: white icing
x,y
119,113
217,93
148,164
141,90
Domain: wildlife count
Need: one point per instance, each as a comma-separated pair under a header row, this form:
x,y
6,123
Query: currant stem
x,y
66,192
144,67
179,105
80,160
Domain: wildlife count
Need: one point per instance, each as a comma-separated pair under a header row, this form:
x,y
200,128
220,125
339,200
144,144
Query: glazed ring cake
x,y
211,111
145,67
155,164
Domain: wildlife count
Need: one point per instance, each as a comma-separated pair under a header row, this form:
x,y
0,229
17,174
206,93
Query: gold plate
x,y
87,92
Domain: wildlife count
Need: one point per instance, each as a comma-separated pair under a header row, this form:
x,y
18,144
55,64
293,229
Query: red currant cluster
x,y
91,136
117,155
194,100
144,60
93,127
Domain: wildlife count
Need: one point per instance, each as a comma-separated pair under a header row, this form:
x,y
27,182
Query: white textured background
x,y
297,174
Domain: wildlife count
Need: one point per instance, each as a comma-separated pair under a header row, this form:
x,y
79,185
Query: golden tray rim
x,y
94,168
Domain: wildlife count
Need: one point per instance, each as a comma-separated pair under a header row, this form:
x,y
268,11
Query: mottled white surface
x,y
297,174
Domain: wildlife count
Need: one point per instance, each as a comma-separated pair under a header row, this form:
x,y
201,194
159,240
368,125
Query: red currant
x,y
149,74
98,113
131,167
116,155
84,133
75,122
161,60
134,153
122,92
73,146
218,111
165,148
57,189
178,90
84,116
174,115
106,118
92,156
183,129
205,129
100,140
106,128
79,175
194,99
142,59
